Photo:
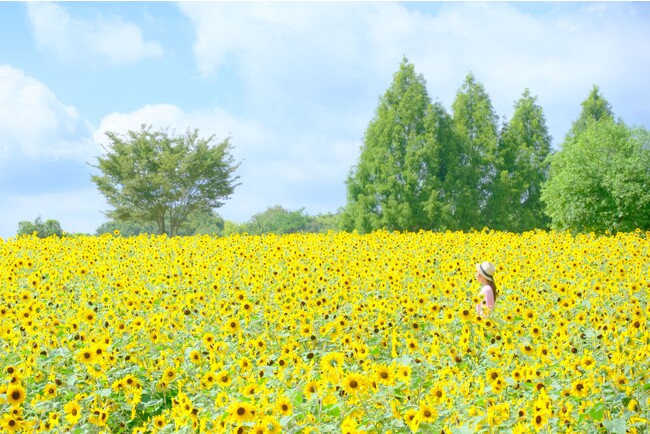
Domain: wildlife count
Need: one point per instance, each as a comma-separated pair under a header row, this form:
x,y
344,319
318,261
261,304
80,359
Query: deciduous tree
x,y
277,220
42,229
599,180
154,177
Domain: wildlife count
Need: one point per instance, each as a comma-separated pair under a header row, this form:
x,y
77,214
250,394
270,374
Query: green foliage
x,y
230,228
521,169
125,228
198,223
599,181
278,220
595,107
150,177
421,168
41,229
475,123
203,222
323,223
400,180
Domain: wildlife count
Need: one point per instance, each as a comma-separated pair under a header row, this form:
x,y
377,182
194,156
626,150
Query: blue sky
x,y
294,85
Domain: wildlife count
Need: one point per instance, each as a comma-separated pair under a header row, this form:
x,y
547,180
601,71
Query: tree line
x,y
423,168
275,219
420,168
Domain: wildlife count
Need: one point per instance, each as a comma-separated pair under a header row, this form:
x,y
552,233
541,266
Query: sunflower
x,y
520,428
311,388
15,394
241,429
332,363
498,385
11,423
465,315
543,352
98,417
588,361
129,381
258,428
412,345
232,326
354,383
245,364
411,419
207,380
579,388
539,420
195,357
86,356
49,391
349,426
88,315
427,413
306,330
250,389
169,375
492,374
247,308
53,418
527,349
221,400
259,344
241,412
404,373
72,412
223,378
283,406
208,340
633,405
385,374
437,393
159,421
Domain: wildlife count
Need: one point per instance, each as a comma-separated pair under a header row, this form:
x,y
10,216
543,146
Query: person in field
x,y
485,276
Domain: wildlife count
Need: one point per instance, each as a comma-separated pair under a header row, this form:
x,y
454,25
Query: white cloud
x,y
111,42
285,52
306,56
247,136
274,164
312,73
34,123
320,68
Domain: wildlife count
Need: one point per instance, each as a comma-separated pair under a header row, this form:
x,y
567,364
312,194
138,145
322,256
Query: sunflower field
x,y
324,333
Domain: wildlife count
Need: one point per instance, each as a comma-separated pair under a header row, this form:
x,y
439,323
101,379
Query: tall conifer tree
x,y
522,168
395,183
475,123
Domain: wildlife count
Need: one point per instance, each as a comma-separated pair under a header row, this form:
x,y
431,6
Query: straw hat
x,y
486,269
